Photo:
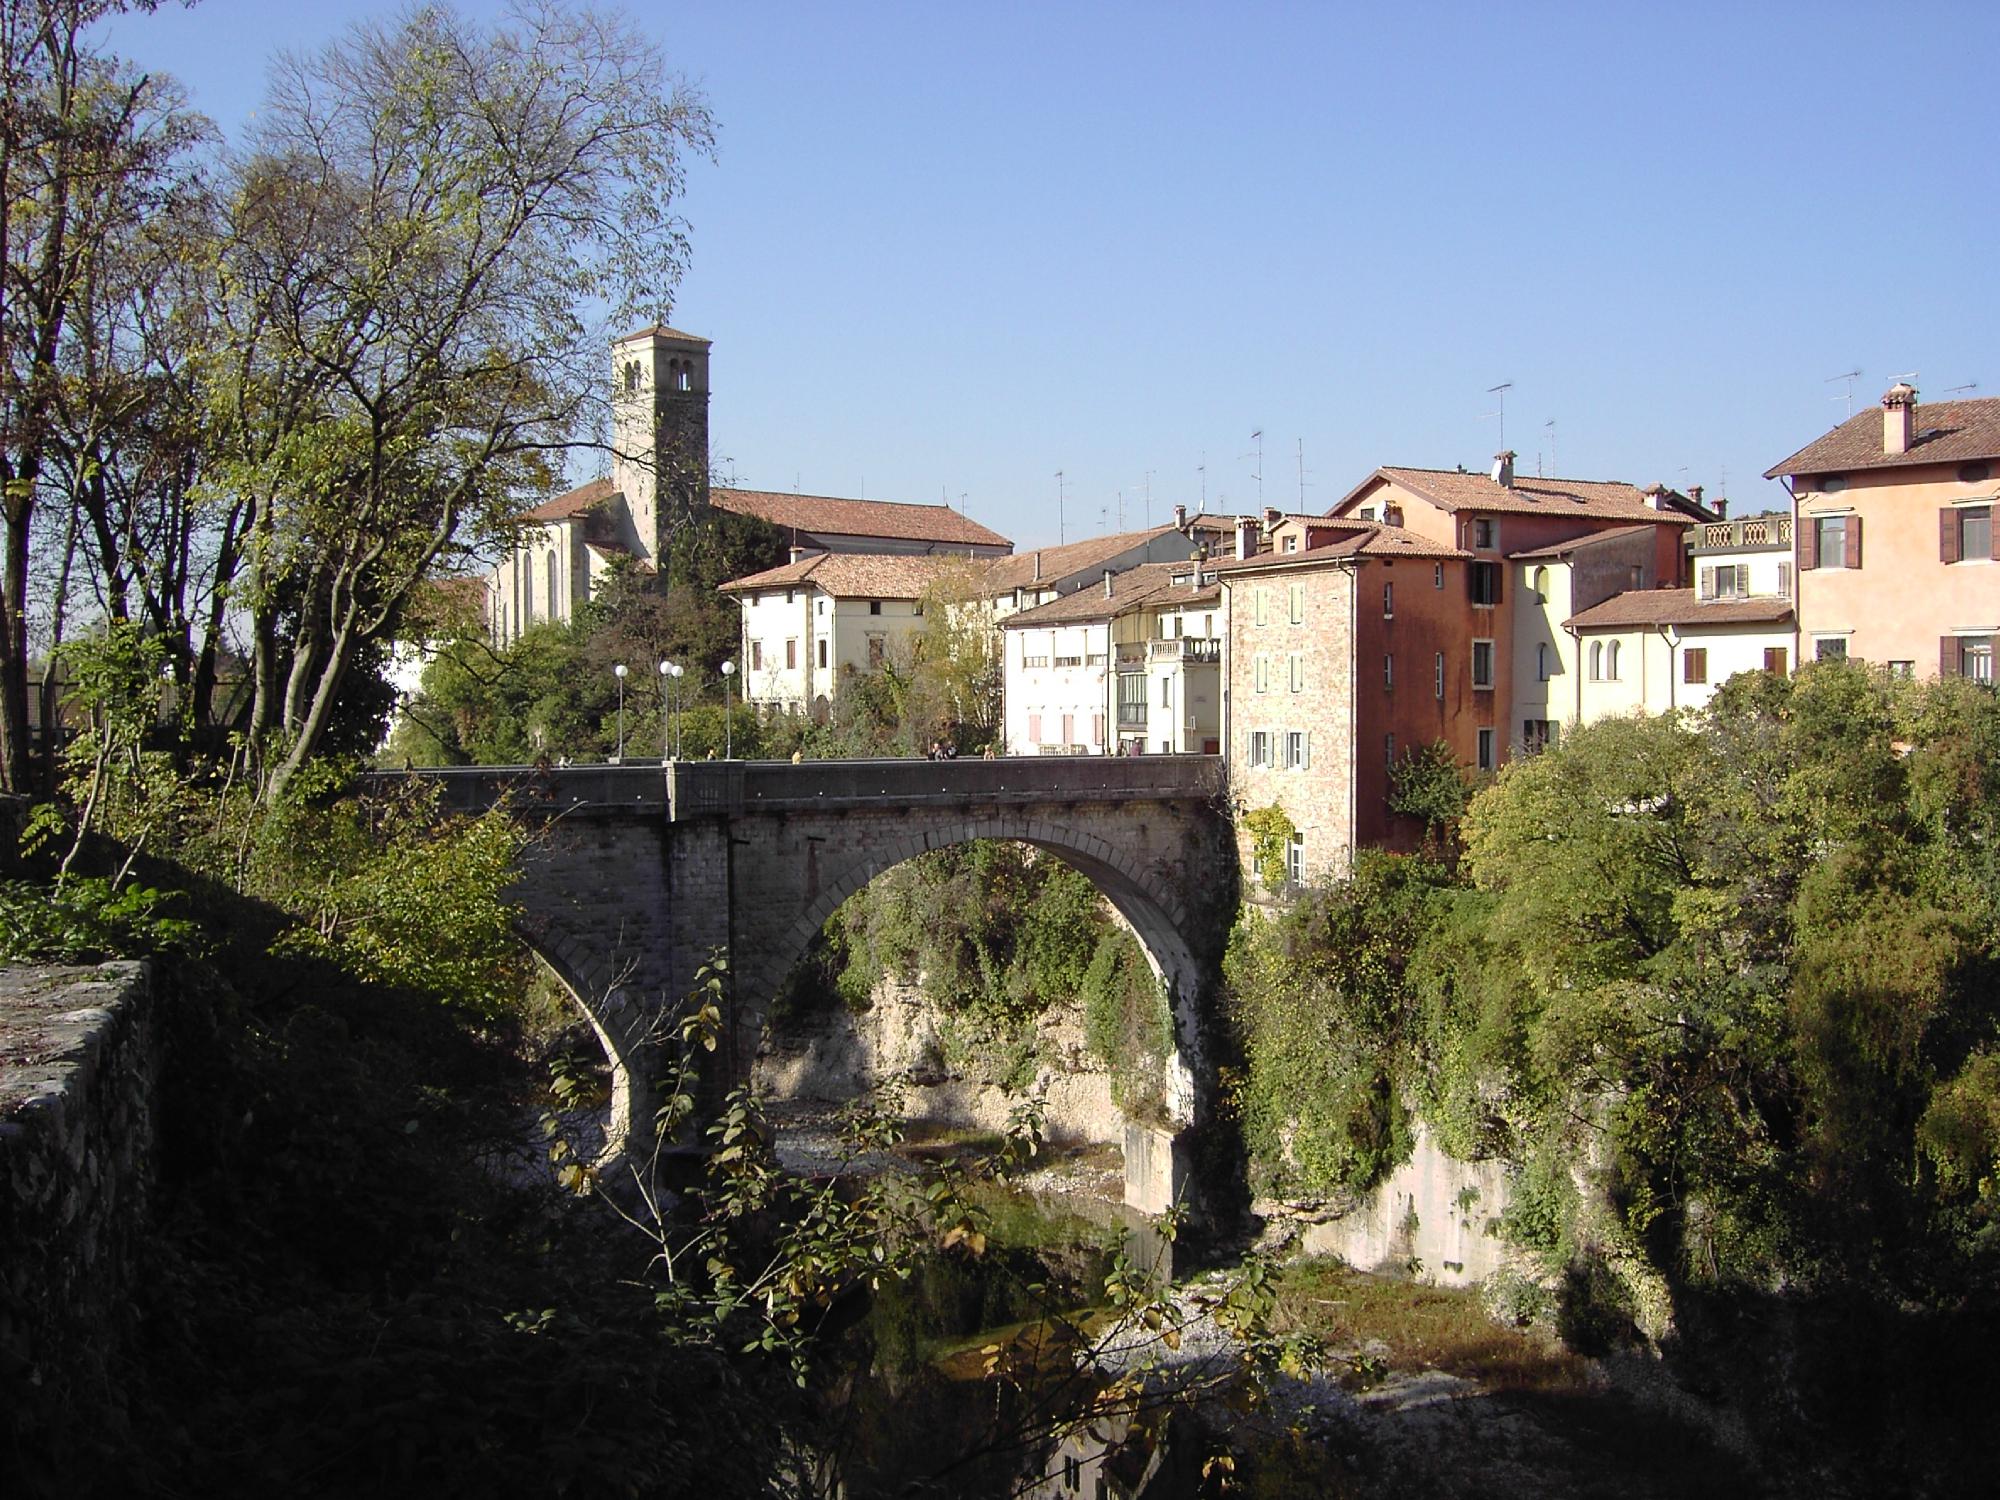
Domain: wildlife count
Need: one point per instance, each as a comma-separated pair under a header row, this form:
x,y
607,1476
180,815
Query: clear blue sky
x,y
951,249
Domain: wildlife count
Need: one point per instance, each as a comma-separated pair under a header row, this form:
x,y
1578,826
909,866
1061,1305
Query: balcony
x,y
1131,656
1132,716
1745,534
1192,649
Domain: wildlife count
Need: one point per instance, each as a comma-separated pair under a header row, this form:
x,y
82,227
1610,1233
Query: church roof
x,y
572,503
824,515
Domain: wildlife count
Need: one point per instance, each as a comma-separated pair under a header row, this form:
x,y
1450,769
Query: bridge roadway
x,y
643,869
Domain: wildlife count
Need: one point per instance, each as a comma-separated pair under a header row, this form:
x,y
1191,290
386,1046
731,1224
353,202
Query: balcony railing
x,y
1188,648
1743,533
1131,655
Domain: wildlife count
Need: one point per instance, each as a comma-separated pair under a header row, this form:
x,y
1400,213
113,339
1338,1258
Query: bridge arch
x,y
1156,915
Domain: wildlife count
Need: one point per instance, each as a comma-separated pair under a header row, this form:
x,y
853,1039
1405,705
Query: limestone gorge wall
x,y
948,1075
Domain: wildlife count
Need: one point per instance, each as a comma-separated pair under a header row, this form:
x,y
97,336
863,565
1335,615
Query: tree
x,y
429,211
85,148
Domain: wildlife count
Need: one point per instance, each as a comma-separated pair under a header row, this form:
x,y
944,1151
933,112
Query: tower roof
x,y
661,331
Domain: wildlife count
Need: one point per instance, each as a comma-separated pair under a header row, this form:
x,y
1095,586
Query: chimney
x,y
1107,583
1721,507
1694,493
1899,418
798,554
1038,565
1246,543
1180,518
1503,469
1655,495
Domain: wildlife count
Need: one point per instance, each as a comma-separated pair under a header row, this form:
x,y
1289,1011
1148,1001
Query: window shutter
x,y
1854,541
1947,535
1785,579
1708,583
1743,580
1994,531
1305,750
1808,530
1948,656
1498,573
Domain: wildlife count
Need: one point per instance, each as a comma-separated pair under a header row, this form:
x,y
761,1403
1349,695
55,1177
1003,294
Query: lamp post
x,y
619,758
670,681
728,719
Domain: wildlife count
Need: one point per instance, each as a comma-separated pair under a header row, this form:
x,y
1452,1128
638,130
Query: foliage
x,y
89,919
1428,784
1128,1023
1271,832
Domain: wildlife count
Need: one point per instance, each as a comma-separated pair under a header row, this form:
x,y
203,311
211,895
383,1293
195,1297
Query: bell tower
x,y
659,434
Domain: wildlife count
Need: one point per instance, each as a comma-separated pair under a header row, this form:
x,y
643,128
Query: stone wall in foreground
x,y
78,1089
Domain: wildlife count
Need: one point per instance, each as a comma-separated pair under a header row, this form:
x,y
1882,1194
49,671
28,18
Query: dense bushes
x,y
1735,974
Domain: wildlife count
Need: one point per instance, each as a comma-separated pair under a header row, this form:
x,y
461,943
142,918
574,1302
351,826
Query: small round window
x,y
1974,473
1833,484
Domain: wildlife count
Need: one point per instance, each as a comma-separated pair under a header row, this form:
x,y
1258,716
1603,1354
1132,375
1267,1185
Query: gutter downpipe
x,y
1798,576
1353,716
1668,634
1576,674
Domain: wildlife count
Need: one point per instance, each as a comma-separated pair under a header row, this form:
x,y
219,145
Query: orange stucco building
x,y
1897,556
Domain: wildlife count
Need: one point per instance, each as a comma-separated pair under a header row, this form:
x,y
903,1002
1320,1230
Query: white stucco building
x,y
1131,666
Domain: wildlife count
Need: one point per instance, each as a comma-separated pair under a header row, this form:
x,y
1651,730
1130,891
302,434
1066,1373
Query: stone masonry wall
x,y
78,1083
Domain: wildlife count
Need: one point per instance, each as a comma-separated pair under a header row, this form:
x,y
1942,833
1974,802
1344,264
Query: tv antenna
x,y
1850,377
1202,469
1302,476
1061,535
1257,437
1149,497
1959,390
1550,428
1501,391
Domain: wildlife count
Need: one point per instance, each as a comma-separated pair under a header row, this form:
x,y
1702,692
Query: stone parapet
x,y
78,1085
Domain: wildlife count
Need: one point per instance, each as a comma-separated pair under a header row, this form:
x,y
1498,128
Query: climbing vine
x,y
1271,832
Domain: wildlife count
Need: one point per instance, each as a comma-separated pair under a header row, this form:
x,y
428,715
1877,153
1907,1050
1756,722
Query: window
x,y
1542,662
1295,749
555,604
1437,575
1830,648
1537,735
1968,656
1388,672
1291,544
820,608
1904,669
1785,579
1297,664
1297,602
1295,859
1485,749
1597,661
791,596
1258,608
1485,534
1131,701
1068,730
1539,582
877,649
1034,729
1097,729
1965,534
1389,750
822,655
1829,542
1388,601
1166,692
1485,578
756,656
792,653
1694,664
1262,674
1730,581
1775,660
1611,661
1260,749
1482,664
1437,676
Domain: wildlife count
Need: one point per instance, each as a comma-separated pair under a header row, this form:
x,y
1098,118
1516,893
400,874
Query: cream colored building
x,y
1896,550
826,616
1132,666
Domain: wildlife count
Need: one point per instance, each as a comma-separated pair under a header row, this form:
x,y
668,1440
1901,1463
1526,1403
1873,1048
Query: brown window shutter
x,y
1948,656
1808,530
1947,535
1854,541
1995,531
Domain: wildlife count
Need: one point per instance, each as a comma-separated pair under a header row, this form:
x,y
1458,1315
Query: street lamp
x,y
728,720
670,681
619,758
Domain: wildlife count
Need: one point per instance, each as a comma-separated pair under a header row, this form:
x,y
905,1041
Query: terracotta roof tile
x,y
1562,549
1454,490
1020,570
572,503
1376,540
1946,432
825,515
664,332
1678,607
852,575
1135,588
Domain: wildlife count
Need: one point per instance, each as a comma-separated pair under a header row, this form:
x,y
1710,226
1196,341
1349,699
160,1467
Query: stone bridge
x,y
639,872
